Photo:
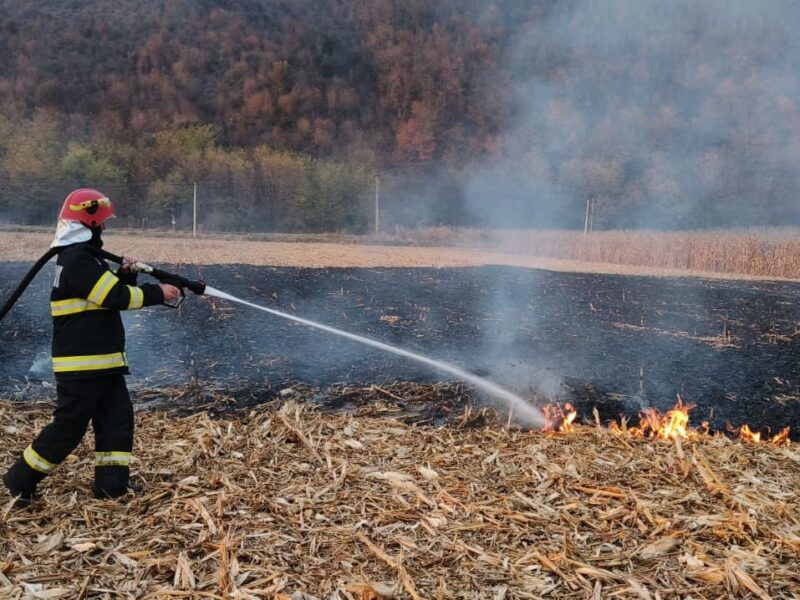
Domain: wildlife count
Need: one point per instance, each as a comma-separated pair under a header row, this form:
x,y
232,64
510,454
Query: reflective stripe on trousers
x,y
92,362
36,461
112,459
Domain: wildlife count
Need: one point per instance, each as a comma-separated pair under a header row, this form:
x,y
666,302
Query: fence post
x,y
377,204
586,220
194,212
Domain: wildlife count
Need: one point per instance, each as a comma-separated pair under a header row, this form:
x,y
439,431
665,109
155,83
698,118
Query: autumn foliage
x,y
674,115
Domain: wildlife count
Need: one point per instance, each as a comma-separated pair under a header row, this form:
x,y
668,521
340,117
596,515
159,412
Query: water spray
x,y
530,414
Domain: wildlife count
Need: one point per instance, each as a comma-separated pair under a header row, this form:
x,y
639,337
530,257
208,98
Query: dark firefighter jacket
x,y
88,336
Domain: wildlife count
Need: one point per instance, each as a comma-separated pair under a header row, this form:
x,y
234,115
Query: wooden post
x,y
377,204
194,212
586,221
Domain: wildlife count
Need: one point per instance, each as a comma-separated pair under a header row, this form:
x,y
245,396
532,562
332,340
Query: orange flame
x,y
566,425
673,425
678,419
748,435
652,424
780,439
558,419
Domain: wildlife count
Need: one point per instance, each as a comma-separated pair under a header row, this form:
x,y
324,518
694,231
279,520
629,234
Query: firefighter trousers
x,y
103,401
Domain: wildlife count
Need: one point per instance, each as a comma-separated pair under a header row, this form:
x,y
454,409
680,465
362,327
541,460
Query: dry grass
x,y
759,252
767,253
757,255
300,504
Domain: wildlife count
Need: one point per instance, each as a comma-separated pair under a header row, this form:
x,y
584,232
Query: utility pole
x,y
194,212
586,220
377,204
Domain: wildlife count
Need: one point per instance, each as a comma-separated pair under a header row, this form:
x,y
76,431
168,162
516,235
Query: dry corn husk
x,y
266,504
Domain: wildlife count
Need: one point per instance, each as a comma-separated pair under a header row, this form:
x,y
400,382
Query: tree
x,y
166,198
331,197
84,166
415,138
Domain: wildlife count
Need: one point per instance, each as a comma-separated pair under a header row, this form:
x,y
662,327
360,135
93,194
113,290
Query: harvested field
x,y
302,504
280,462
771,255
759,252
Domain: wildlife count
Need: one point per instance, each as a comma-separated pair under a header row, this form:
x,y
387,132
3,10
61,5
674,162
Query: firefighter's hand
x,y
127,265
170,292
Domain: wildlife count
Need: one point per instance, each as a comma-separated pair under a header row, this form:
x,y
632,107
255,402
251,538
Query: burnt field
x,y
619,343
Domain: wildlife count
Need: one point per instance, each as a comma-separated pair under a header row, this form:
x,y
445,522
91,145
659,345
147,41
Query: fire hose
x,y
180,282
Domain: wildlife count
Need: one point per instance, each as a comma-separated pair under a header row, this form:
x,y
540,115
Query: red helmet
x,y
88,206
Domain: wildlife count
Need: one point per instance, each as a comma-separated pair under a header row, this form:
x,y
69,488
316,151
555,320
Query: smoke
x,y
510,331
674,115
665,114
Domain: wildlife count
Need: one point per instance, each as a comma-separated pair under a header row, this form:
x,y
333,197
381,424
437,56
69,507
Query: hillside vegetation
x,y
504,113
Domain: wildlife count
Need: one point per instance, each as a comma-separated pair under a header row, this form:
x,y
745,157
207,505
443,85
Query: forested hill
x,y
512,112
388,81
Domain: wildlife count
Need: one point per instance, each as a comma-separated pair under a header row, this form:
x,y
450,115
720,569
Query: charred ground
x,y
620,343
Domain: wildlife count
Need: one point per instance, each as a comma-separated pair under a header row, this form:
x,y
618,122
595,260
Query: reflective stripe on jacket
x,y
85,303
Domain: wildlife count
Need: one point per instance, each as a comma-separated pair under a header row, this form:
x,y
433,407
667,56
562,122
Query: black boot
x,y
110,494
24,498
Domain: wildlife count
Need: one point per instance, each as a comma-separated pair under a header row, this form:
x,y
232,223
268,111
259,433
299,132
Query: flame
x,y
678,420
558,419
566,425
672,425
780,439
748,435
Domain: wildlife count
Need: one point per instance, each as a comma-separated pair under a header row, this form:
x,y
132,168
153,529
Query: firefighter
x,y
88,355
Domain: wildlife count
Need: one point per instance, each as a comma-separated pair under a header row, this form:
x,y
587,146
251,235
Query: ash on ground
x,y
619,343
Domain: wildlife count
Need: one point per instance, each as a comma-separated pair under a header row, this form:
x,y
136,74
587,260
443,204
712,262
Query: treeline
x,y
507,113
152,181
387,82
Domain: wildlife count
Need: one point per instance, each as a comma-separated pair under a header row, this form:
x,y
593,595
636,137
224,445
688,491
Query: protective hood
x,y
71,232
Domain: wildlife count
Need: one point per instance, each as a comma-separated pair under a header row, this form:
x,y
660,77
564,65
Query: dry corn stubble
x,y
264,505
772,254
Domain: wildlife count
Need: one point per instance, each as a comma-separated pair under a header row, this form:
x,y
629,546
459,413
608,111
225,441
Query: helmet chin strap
x,y
96,240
